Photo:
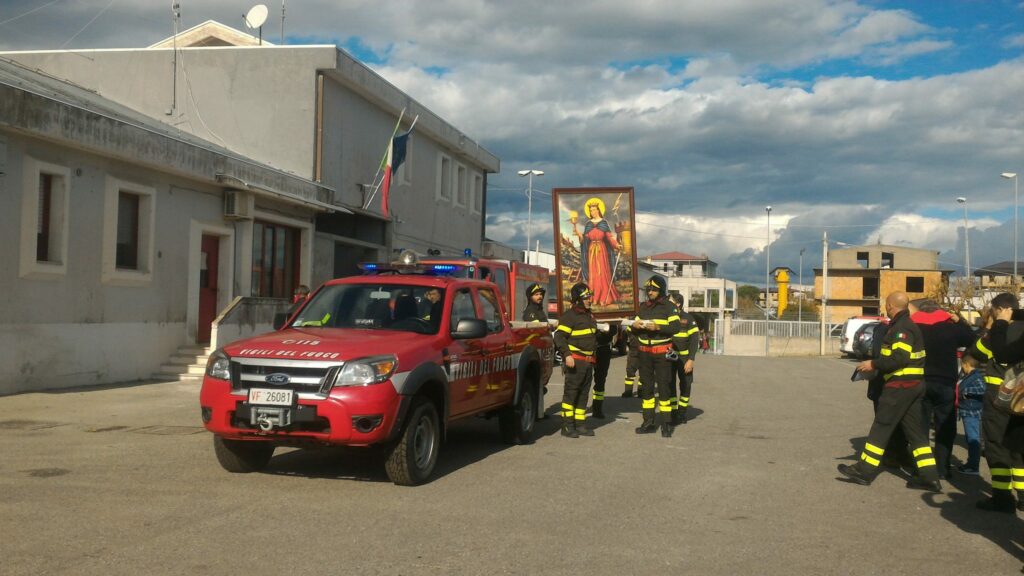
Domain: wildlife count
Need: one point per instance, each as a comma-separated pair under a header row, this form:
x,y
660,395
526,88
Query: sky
x,y
865,119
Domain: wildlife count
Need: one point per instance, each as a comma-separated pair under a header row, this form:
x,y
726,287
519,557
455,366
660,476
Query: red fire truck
x,y
392,358
511,277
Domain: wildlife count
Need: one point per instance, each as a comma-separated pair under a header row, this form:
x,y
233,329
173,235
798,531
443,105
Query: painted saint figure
x,y
598,247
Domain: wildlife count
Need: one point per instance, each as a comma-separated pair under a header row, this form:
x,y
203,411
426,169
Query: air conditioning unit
x,y
238,205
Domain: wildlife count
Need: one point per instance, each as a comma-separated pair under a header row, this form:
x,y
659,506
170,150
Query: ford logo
x,y
277,378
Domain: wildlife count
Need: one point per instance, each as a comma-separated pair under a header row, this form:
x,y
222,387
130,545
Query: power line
x,y
87,24
36,9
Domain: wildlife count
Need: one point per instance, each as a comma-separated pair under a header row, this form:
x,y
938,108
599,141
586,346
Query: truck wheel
x,y
242,456
516,422
412,459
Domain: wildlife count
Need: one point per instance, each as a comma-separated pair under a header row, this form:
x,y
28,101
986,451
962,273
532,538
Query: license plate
x,y
267,397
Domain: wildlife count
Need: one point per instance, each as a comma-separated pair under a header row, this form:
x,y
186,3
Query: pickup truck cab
x,y
375,360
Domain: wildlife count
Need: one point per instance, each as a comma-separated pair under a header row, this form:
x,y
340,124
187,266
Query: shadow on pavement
x,y
1003,530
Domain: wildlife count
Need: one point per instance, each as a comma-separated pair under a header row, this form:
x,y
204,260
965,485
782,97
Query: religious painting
x,y
594,243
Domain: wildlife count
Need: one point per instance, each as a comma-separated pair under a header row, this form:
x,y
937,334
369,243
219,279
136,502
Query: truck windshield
x,y
375,307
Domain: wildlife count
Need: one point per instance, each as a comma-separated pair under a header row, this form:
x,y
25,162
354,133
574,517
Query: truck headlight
x,y
219,366
366,371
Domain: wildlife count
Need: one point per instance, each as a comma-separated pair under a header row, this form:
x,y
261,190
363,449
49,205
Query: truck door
x,y
465,372
499,373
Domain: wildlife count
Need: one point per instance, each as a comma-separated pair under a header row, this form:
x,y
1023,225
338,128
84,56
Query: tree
x,y
748,292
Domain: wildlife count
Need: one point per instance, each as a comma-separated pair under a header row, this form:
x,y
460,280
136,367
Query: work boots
x,y
666,429
679,416
1001,501
628,392
598,409
854,475
918,483
648,426
582,429
569,428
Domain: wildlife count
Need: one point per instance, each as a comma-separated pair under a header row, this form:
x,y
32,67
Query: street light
x,y
529,202
800,310
1014,176
767,274
967,250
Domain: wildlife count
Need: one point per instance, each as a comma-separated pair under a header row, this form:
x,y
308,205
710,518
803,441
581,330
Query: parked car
x,y
863,339
850,327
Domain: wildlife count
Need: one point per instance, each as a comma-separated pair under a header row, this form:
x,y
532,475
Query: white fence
x,y
779,328
747,337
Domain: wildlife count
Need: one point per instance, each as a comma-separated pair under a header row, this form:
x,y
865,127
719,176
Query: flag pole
x,y
376,184
384,158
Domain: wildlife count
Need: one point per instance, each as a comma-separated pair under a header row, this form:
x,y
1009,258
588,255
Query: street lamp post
x,y
967,252
767,274
800,310
1014,176
530,173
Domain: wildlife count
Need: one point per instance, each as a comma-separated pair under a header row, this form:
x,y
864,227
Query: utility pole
x,y
824,289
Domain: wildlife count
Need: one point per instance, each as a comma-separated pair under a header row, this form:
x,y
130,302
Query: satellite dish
x,y
256,16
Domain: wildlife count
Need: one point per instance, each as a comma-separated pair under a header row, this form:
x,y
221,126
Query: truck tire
x,y
516,422
411,460
242,457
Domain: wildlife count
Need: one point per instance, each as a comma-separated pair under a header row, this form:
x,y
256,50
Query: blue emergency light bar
x,y
444,268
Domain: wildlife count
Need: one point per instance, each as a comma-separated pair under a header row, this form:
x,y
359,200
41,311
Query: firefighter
x,y
576,339
686,343
534,311
603,356
632,359
902,363
1006,466
656,323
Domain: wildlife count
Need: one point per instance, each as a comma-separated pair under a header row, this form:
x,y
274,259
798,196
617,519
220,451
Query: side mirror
x,y
280,319
470,329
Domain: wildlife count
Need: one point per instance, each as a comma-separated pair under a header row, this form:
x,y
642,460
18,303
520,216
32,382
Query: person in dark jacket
x,y
655,324
686,343
901,362
1002,432
576,339
944,334
534,311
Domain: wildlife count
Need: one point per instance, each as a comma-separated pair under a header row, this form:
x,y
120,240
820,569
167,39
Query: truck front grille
x,y
303,376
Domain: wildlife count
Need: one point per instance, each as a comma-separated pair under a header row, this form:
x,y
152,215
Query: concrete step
x,y
194,369
189,359
190,378
194,351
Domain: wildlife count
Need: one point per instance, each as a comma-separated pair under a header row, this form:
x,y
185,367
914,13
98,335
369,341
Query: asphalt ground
x,y
123,480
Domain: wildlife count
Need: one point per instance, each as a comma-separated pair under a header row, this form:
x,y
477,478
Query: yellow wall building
x,y
860,278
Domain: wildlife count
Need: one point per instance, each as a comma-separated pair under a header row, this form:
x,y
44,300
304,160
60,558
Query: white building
x,y
116,243
312,111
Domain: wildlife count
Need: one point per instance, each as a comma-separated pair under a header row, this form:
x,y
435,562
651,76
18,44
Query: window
x,y
462,308
128,233
713,298
500,277
478,194
862,259
44,224
490,309
729,296
888,260
915,284
461,186
870,287
44,221
869,311
444,178
127,253
275,259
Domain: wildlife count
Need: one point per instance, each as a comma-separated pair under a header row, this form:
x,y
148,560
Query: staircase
x,y
186,365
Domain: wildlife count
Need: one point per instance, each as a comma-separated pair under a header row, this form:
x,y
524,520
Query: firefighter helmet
x,y
579,292
657,283
533,289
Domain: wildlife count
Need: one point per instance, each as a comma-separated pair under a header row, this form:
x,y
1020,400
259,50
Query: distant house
x,y
998,276
682,265
860,277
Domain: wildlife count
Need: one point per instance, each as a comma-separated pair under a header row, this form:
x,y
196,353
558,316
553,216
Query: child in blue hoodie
x,y
970,391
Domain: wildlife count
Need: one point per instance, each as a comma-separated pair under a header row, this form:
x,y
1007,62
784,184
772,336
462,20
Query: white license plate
x,y
267,397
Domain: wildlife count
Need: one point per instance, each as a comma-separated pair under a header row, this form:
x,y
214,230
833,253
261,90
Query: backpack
x,y
1010,398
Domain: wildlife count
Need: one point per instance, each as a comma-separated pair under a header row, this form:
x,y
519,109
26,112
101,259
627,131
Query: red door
x,y
207,287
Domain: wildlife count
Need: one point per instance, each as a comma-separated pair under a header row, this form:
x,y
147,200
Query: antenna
x,y
255,18
175,18
282,22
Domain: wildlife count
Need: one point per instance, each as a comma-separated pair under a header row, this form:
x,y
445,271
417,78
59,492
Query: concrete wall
x,y
257,102
754,346
903,257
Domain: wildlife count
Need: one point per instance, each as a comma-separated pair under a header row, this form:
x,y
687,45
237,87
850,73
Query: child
x,y
970,391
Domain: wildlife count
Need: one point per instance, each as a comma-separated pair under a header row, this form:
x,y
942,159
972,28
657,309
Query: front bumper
x,y
339,418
